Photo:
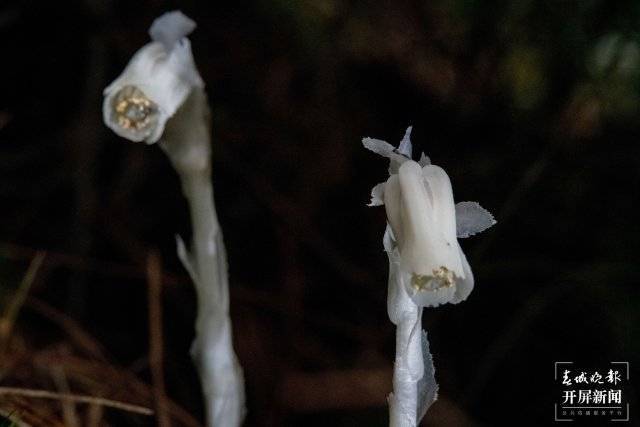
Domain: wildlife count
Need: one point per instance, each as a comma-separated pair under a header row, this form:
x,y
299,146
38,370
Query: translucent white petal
x,y
414,226
393,206
395,288
379,146
424,160
428,221
377,195
170,27
387,150
182,63
471,218
152,87
464,286
405,147
439,187
389,240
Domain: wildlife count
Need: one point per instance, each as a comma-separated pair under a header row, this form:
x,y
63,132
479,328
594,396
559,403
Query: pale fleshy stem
x,y
407,402
212,351
188,147
408,366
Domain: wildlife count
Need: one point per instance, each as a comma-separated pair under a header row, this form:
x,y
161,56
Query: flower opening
x,y
133,111
156,82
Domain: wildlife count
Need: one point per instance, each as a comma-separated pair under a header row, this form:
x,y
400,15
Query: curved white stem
x,y
187,143
160,97
212,350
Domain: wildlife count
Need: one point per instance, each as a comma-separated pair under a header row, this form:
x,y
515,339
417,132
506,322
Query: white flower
x,y
155,83
425,224
160,97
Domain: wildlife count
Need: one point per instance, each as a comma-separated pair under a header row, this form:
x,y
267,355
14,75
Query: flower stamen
x,y
133,110
442,278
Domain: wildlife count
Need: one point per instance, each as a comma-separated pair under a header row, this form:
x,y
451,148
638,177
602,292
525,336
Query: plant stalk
x,y
406,402
188,148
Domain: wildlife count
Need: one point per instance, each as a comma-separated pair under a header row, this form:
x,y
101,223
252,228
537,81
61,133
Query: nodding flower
x,y
155,83
425,225
160,97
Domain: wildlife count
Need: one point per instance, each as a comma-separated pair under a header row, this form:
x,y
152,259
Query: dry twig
x,y
69,412
16,303
154,279
45,394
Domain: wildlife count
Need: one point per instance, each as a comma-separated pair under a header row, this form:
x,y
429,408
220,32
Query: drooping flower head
x,y
155,83
425,225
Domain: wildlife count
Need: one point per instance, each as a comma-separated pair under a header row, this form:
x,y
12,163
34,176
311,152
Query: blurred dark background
x,y
532,107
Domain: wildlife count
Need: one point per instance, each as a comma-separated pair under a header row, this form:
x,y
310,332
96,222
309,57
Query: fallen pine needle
x,y
13,307
44,394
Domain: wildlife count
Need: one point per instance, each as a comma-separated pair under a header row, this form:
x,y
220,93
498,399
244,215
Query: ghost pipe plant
x,y
427,267
160,97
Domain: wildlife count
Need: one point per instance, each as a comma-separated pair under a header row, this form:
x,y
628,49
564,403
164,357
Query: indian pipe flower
x,y
156,82
426,225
